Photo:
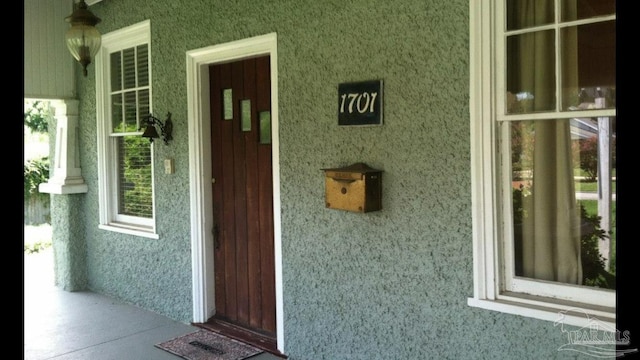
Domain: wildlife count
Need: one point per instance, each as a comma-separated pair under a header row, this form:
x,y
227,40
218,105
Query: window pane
x,y
583,9
129,68
134,176
563,200
143,69
265,127
227,104
589,66
143,106
245,115
526,13
116,71
130,112
531,72
116,113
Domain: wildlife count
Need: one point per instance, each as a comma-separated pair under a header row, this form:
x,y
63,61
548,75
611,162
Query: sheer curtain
x,y
551,226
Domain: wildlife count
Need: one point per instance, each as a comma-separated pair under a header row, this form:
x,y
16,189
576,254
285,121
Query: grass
x,y
592,186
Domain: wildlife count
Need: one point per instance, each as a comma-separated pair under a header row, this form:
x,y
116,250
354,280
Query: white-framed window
x,y
542,109
125,158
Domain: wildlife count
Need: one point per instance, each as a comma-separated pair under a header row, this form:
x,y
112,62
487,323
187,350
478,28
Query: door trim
x,y
200,173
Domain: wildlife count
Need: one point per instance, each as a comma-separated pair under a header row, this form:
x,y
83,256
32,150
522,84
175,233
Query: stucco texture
x,y
389,284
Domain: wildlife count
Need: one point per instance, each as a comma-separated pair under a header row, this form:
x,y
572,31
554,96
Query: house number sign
x,y
360,103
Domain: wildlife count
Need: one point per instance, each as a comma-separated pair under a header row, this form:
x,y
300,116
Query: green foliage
x,y
591,207
36,117
35,172
518,200
37,238
593,264
589,157
36,247
136,177
126,128
522,145
585,152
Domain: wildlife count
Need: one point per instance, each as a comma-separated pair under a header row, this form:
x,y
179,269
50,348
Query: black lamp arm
x,y
166,127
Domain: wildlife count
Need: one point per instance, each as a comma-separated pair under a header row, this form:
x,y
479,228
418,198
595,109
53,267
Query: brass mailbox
x,y
356,187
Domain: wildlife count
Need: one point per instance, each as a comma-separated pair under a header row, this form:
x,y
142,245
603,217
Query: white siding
x,y
49,68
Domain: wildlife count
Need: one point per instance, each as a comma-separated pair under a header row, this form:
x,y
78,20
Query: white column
x,y
604,181
66,177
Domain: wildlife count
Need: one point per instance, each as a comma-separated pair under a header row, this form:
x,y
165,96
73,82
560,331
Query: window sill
x,y
573,315
127,229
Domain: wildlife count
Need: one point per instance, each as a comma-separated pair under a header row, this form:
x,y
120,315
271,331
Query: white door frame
x,y
200,173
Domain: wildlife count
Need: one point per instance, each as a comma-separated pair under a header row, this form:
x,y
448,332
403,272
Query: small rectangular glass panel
x,y
143,107
265,127
130,112
526,14
537,193
574,10
227,104
116,71
116,113
589,77
142,53
527,54
128,68
245,114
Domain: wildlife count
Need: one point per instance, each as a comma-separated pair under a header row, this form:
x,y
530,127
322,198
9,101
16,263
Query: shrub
x,y
593,264
585,152
36,171
36,115
589,157
36,247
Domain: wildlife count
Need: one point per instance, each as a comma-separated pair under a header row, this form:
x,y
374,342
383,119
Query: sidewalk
x,y
591,196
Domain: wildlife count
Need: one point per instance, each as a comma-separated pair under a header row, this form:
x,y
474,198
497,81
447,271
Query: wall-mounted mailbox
x,y
356,187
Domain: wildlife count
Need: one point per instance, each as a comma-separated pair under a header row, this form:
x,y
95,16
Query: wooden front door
x,y
243,194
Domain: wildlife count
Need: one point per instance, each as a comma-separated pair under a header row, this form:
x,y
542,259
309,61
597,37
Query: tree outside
x,y
37,221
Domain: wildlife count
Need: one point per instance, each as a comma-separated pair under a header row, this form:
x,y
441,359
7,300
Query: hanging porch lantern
x,y
83,39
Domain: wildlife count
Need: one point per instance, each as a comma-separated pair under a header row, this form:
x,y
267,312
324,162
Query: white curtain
x,y
551,226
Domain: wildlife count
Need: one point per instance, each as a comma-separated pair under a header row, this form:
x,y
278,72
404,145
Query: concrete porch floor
x,y
65,325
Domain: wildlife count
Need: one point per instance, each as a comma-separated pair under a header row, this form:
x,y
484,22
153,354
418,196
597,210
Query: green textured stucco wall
x,y
391,284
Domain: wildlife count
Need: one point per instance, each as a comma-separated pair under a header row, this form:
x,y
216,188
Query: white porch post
x,y
67,177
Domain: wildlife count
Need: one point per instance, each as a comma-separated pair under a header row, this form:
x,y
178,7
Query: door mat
x,y
207,345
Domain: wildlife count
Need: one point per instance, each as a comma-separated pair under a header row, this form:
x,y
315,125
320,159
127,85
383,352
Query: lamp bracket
x,y
82,16
166,128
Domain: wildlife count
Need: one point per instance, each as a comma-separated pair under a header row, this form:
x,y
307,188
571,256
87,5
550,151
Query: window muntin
x,y
129,71
130,94
549,232
543,80
583,44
